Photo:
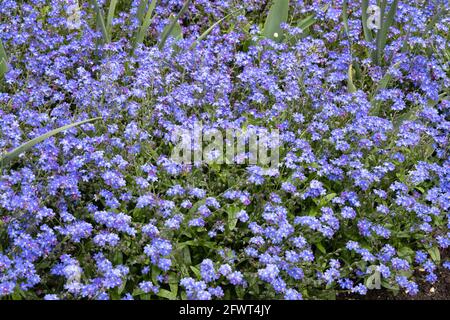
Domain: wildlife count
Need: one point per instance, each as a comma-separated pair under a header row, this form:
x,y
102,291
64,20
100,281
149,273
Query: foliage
x,y
361,195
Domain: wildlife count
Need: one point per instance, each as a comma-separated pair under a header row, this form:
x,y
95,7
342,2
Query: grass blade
x,y
111,11
28,145
208,31
146,21
386,24
436,18
345,16
350,85
168,30
383,84
3,60
172,29
278,14
307,22
141,10
101,22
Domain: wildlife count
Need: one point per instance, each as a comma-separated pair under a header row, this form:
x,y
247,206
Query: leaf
x,y
307,22
384,82
175,32
208,31
187,256
345,16
146,21
101,22
141,10
321,248
28,145
137,292
382,33
386,284
232,220
111,11
3,60
163,293
173,284
3,67
278,14
174,24
405,252
325,200
196,271
435,254
350,85
155,273
436,18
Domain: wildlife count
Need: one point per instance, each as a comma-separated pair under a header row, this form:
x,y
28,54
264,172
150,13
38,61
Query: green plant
x,y
12,155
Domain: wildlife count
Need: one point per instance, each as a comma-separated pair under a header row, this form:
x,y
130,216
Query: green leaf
x,y
163,293
232,220
435,254
173,283
101,22
146,21
382,33
278,14
175,28
111,11
174,24
307,22
405,252
345,16
321,248
155,273
3,60
437,17
383,84
386,284
141,10
208,31
196,271
137,292
3,67
350,85
28,145
187,256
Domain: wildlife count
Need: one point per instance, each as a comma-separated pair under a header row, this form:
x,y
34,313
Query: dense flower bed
x,y
101,211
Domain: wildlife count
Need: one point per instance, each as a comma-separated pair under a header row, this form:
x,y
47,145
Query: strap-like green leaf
x,y
345,16
168,30
350,85
3,60
385,25
111,11
141,10
101,22
147,20
28,145
278,14
208,31
175,30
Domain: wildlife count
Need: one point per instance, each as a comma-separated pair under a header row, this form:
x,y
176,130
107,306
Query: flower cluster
x,y
101,211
